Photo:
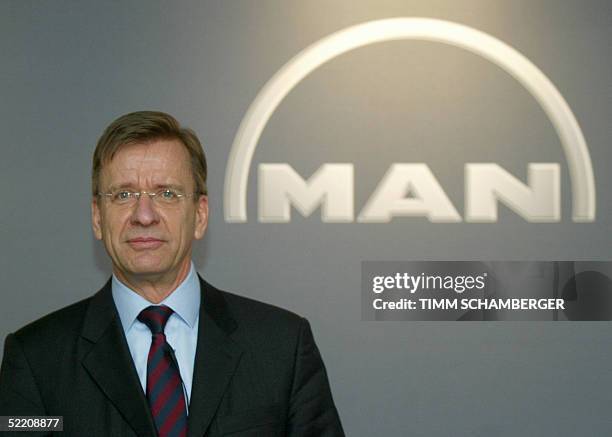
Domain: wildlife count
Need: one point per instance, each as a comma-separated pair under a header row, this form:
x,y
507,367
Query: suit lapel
x,y
110,364
217,357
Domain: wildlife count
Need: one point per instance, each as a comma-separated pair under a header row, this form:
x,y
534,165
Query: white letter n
x,y
486,184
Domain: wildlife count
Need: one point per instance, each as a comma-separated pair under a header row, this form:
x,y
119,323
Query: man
x,y
158,350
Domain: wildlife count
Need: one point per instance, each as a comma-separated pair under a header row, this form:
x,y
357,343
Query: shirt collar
x,y
184,300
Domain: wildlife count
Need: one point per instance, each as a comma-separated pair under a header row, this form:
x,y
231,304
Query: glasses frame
x,y
135,195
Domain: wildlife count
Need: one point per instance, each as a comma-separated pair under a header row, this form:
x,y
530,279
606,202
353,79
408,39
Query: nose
x,y
144,212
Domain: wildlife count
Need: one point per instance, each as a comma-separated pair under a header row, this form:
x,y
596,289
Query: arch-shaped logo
x,y
480,43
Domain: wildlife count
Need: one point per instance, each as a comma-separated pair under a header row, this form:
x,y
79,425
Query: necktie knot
x,y
155,317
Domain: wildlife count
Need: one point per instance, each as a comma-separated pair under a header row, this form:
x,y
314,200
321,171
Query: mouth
x,y
142,243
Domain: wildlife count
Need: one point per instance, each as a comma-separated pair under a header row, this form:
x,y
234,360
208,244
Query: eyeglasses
x,y
162,197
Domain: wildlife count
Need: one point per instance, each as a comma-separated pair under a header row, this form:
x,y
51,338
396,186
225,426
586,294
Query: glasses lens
x,y
123,197
167,196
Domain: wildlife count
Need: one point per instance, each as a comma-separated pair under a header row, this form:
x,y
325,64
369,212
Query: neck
x,y
154,288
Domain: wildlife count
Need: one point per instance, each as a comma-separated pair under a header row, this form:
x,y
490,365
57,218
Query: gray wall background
x,y
70,67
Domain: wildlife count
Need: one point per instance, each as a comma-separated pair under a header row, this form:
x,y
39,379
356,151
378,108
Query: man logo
x,y
331,186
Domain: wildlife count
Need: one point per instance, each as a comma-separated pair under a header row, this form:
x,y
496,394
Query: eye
x,y
121,196
168,194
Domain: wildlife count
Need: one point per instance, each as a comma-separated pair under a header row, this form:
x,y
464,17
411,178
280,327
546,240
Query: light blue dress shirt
x,y
181,329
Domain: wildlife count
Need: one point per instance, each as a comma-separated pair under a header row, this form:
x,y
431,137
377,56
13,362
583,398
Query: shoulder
x,y
62,328
248,309
55,326
252,318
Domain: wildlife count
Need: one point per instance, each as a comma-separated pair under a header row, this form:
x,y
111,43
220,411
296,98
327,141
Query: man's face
x,y
147,241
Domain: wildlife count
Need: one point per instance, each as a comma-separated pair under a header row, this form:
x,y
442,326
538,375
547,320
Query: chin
x,y
148,268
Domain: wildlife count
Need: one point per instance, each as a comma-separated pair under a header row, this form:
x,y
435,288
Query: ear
x,y
201,217
96,218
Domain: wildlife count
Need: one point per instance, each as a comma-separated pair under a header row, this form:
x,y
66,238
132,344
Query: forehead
x,y
156,162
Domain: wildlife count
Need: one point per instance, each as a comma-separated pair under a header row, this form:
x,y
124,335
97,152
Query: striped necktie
x,y
164,385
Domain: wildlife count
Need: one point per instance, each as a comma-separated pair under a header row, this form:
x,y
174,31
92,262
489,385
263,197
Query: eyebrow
x,y
131,186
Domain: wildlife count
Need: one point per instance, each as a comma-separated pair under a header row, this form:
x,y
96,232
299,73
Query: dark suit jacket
x,y
257,372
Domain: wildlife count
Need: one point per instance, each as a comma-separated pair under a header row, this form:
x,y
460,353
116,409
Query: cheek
x,y
186,227
112,225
